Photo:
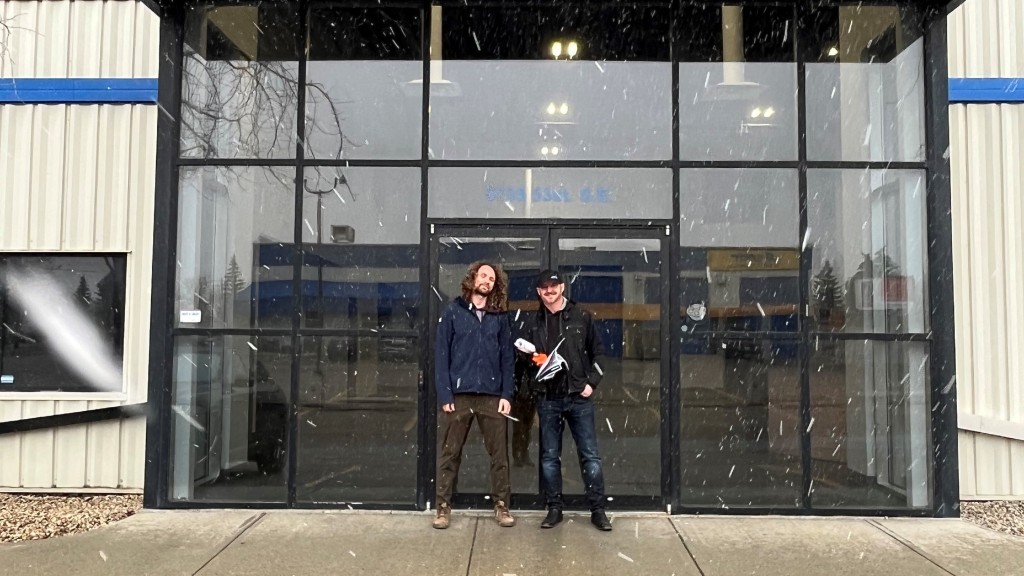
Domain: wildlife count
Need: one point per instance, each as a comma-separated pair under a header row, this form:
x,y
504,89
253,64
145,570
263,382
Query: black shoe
x,y
600,519
552,519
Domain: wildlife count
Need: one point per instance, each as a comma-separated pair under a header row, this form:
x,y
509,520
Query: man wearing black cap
x,y
569,356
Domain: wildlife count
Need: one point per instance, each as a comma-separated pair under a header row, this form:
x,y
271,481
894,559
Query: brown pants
x,y
455,428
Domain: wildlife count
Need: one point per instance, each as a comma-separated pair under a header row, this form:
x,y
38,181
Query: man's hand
x,y
587,391
449,407
504,407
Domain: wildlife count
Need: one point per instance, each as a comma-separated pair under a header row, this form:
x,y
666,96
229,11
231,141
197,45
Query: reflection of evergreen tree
x,y
234,282
828,295
82,294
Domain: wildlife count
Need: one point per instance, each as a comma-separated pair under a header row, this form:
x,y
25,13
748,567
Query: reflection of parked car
x,y
269,427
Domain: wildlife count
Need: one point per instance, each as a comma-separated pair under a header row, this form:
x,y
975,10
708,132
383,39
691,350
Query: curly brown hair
x,y
498,298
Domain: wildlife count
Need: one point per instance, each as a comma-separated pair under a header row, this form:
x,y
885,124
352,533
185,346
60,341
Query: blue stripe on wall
x,y
78,90
144,90
986,90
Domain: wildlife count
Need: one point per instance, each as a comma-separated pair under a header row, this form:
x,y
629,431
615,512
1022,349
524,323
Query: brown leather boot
x,y
443,518
502,515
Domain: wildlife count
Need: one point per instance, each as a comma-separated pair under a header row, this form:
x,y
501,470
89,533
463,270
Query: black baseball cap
x,y
549,277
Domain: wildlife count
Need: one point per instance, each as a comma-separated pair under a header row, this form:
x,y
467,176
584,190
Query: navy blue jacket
x,y
473,356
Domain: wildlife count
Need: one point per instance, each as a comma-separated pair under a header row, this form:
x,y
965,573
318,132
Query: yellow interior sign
x,y
767,259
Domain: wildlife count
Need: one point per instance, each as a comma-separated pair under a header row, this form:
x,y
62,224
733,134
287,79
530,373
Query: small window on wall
x,y
62,322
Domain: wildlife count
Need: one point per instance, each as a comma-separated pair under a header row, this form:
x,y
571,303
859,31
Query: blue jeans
x,y
579,413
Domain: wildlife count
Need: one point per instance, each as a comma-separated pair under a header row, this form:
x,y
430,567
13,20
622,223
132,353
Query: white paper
x,y
190,316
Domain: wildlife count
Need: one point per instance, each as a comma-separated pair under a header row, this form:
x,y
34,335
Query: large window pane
x,y
737,83
754,208
612,193
360,266
557,83
619,282
357,419
239,86
865,84
62,322
740,428
867,242
230,418
364,95
235,231
870,427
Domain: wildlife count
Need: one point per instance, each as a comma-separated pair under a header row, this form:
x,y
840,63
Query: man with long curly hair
x,y
473,374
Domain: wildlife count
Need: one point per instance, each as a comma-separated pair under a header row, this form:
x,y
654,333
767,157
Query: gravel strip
x,y
25,517
1001,515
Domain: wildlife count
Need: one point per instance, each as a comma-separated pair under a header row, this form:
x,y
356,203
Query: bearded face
x,y
483,283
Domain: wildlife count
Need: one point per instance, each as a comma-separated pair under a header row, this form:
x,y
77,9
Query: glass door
x,y
617,275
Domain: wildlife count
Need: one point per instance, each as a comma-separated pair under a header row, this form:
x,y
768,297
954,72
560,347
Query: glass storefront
x,y
737,190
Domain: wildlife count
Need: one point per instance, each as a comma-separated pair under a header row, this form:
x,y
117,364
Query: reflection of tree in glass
x,y
249,106
828,294
83,295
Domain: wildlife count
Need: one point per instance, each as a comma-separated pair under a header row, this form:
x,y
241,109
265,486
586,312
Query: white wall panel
x,y
103,450
147,43
81,39
69,448
142,176
37,448
988,240
133,452
985,39
19,62
15,175
10,446
80,178
47,185
117,51
86,20
88,186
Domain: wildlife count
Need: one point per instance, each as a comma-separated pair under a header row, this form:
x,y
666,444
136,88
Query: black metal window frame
x,y
939,338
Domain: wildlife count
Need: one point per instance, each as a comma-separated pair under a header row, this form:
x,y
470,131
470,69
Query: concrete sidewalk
x,y
291,542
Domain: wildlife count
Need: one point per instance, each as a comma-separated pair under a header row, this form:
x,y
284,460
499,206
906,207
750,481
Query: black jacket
x,y
473,356
582,350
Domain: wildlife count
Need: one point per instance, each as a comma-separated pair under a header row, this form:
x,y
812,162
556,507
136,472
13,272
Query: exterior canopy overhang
x,y
945,6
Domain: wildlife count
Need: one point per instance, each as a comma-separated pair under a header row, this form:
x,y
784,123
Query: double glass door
x,y
617,274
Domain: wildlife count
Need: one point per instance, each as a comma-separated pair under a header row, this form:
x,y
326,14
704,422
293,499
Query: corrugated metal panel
x,y
142,181
10,446
985,39
82,152
103,451
37,448
132,471
47,185
89,187
15,175
112,178
111,38
968,471
988,208
147,42
69,449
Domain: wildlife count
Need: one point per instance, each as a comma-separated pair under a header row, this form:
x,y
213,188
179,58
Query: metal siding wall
x,y
79,199
988,219
81,178
58,39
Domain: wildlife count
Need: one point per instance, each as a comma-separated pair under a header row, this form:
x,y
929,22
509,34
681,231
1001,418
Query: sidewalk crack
x,y
472,546
909,545
245,527
685,547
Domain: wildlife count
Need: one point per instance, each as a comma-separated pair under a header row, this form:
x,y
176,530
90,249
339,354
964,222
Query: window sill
x,y
65,396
